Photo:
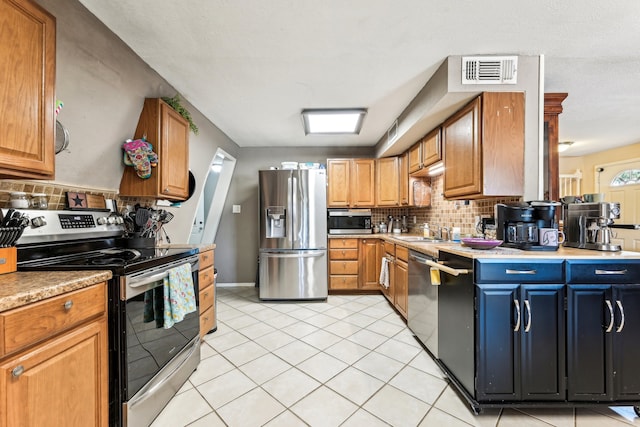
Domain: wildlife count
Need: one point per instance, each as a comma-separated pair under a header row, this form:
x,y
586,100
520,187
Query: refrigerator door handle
x,y
298,254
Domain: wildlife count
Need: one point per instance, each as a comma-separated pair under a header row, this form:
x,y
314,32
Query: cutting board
x,y
95,201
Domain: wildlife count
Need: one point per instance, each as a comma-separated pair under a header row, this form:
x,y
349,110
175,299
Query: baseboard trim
x,y
235,285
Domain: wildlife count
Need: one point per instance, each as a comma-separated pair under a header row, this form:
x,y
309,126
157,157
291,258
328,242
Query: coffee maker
x,y
519,225
586,225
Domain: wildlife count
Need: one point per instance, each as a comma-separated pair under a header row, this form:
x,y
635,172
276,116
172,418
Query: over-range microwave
x,y
349,221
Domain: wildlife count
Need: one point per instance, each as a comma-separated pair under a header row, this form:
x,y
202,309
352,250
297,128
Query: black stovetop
x,y
114,254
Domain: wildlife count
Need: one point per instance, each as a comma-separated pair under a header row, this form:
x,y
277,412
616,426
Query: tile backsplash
x,y
442,212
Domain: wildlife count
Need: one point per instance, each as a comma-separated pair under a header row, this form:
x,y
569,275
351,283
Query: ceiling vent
x,y
489,70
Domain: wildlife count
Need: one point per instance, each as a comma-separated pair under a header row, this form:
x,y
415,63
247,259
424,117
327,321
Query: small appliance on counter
x,y
588,225
530,226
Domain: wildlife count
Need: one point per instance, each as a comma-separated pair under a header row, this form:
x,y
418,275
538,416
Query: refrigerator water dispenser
x,y
276,222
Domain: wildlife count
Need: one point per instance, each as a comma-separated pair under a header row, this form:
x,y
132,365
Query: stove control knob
x,y
119,220
102,220
111,220
38,221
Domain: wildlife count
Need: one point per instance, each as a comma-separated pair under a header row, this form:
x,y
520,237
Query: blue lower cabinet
x,y
520,342
603,342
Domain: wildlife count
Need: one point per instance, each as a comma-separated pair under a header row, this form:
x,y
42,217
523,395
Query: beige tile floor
x,y
349,361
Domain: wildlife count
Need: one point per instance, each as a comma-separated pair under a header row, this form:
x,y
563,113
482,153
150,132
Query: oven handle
x,y
145,280
150,388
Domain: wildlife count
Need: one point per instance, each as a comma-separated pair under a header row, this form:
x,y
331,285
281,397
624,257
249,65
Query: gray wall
x,y
103,84
237,239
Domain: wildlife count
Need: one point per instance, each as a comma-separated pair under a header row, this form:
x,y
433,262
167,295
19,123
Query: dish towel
x,y
179,295
384,273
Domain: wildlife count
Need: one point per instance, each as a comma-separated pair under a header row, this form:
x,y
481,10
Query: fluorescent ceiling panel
x,y
332,121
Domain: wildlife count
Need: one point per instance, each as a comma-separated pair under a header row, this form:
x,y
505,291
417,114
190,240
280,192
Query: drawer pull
x,y
17,371
619,304
527,328
68,305
517,304
510,271
610,307
601,272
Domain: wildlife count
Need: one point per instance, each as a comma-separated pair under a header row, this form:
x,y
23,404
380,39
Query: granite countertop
x,y
25,287
433,248
562,252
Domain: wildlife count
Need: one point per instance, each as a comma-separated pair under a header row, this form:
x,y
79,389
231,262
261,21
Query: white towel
x,y
384,273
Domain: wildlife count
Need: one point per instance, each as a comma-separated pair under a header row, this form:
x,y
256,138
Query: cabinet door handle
x,y
527,328
601,272
68,305
517,304
610,307
17,371
619,304
510,271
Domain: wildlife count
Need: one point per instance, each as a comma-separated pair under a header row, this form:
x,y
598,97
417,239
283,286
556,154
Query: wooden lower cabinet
x,y
207,293
61,380
401,285
353,264
368,262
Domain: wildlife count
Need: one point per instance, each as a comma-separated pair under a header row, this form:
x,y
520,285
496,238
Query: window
x,y
626,177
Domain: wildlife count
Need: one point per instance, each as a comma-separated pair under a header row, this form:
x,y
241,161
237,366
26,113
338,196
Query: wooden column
x,y
552,109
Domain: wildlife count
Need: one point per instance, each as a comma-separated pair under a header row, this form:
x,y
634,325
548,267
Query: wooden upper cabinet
x,y
483,147
415,157
350,183
168,132
404,179
363,183
338,171
388,182
431,150
27,97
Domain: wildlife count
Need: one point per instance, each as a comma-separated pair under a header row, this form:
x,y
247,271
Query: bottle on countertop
x,y
426,232
455,234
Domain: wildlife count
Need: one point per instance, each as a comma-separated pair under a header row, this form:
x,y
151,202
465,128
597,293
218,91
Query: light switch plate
x,y
236,209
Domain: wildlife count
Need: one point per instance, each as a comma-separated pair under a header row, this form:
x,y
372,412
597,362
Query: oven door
x,y
158,359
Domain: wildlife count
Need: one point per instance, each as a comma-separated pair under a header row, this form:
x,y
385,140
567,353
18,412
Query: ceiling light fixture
x,y
564,145
333,121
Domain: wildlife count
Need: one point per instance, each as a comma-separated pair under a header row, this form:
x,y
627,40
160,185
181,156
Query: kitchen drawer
x,y
205,276
207,320
402,253
519,271
206,259
343,254
390,248
39,321
343,267
206,297
603,272
343,243
343,282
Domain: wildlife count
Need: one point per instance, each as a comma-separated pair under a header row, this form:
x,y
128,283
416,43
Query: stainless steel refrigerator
x,y
293,234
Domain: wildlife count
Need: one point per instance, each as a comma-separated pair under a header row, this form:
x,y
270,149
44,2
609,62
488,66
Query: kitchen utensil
x,y
480,243
62,137
142,216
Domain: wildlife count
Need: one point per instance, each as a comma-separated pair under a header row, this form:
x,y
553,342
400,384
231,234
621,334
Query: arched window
x,y
626,177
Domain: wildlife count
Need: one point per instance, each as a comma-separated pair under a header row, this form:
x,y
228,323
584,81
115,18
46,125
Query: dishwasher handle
x,y
438,266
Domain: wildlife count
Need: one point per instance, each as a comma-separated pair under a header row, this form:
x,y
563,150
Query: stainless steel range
x,y
148,363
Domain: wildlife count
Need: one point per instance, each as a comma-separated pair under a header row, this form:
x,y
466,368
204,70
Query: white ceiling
x,y
251,66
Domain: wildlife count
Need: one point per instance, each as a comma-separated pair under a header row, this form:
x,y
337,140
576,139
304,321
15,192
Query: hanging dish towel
x,y
179,295
384,273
